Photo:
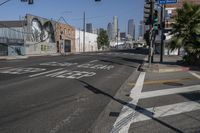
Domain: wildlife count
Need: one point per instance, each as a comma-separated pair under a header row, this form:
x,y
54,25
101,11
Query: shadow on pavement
x,y
133,60
114,62
192,96
134,107
143,51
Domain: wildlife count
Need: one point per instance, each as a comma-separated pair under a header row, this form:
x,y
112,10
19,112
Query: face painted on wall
x,y
36,30
42,33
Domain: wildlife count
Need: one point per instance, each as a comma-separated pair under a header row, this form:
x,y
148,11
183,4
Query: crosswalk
x,y
132,113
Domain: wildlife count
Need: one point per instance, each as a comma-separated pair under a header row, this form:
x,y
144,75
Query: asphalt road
x,y
61,94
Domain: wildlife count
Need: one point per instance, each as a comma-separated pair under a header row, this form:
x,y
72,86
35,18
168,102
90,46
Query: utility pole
x,y
84,32
162,32
117,37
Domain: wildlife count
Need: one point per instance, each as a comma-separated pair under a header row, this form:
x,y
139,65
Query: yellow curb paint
x,y
164,81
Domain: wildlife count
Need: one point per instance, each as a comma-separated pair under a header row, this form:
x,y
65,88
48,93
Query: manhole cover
x,y
173,84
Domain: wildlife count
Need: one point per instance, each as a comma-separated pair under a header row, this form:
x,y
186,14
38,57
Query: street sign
x,y
168,1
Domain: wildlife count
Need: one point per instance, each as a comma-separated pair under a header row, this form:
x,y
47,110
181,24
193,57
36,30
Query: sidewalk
x,y
170,64
25,56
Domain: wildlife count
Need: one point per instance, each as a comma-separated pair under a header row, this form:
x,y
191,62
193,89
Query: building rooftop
x,y
8,24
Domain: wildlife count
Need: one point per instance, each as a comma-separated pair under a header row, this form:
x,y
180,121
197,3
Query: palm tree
x,y
186,31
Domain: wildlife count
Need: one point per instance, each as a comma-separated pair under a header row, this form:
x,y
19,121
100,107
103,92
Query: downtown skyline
x,y
97,13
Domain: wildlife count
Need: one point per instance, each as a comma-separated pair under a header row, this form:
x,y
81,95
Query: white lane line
x,y
194,74
64,122
2,68
123,122
169,91
93,61
38,74
167,110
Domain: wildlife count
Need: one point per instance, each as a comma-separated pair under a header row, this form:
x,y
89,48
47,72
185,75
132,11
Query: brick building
x,y
65,38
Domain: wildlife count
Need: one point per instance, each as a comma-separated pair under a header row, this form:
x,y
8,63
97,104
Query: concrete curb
x,y
13,57
3,58
157,68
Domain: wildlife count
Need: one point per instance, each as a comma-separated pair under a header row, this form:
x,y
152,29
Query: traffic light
x,y
147,12
155,20
30,1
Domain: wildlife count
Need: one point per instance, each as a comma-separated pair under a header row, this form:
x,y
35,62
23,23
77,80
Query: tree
x,y
102,40
186,31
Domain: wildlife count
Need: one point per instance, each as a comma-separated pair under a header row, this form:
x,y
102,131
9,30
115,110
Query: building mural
x,y
40,37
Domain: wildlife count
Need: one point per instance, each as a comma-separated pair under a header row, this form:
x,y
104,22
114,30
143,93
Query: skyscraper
x,y
110,31
141,29
131,28
89,27
115,27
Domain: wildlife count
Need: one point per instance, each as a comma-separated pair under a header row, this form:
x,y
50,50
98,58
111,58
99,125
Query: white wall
x,y
90,41
40,48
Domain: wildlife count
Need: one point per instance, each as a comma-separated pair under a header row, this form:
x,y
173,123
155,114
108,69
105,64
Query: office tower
x,y
110,31
131,28
89,27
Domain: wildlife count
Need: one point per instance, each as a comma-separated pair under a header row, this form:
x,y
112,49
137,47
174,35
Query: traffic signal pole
x,y
151,31
84,29
162,32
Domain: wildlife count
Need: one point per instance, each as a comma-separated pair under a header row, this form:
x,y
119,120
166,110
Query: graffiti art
x,y
42,33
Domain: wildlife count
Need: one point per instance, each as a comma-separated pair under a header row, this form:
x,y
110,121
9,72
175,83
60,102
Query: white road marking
x,y
194,74
71,74
21,70
169,91
124,120
167,110
64,122
93,61
63,64
38,74
96,66
2,68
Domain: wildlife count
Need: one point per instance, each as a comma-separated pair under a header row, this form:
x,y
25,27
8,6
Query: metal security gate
x,y
3,50
67,45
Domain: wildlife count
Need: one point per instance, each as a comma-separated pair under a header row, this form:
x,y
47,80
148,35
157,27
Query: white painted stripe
x,y
123,122
169,91
194,74
167,110
38,74
93,61
5,68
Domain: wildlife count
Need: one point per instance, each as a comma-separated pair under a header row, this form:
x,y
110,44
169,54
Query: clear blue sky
x,y
100,13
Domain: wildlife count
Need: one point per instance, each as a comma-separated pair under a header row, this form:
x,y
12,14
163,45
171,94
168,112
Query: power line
x,y
88,18
4,2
